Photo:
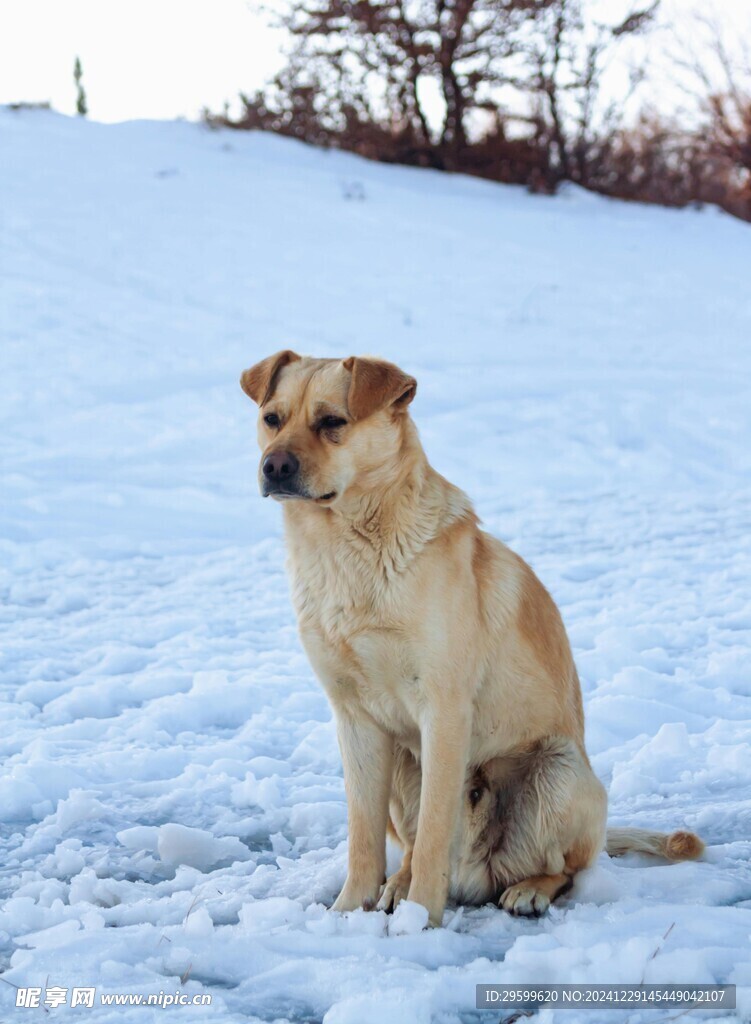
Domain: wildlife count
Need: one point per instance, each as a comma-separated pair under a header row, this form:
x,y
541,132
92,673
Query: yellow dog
x,y
457,702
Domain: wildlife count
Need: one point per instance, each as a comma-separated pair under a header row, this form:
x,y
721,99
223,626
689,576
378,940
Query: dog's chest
x,y
354,621
343,589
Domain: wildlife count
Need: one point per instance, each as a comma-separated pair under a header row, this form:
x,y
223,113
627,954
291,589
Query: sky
x,y
141,58
171,58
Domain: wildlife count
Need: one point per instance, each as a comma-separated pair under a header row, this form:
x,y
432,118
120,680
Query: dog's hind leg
x,y
403,811
555,826
533,896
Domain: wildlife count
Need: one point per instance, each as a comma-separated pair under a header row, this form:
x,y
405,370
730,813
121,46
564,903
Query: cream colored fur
x,y
442,655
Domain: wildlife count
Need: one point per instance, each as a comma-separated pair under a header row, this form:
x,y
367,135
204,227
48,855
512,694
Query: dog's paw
x,y
394,891
523,900
355,898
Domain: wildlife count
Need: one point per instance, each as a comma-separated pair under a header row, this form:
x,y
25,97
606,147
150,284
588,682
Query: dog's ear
x,y
375,385
258,382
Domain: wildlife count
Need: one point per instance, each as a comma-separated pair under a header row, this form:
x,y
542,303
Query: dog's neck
x,y
393,519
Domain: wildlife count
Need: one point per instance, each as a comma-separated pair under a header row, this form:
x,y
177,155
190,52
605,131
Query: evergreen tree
x,y
81,106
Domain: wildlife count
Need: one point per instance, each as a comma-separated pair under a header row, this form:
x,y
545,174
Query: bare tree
x,y
716,72
381,61
567,58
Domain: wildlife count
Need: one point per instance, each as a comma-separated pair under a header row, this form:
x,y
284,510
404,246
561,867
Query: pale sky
x,y
141,58
170,58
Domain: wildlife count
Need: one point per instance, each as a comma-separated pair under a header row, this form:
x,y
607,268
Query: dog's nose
x,y
280,466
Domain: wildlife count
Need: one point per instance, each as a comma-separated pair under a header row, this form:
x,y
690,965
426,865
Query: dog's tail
x,y
671,845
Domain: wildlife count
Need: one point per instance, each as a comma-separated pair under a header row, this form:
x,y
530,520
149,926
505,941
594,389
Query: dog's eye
x,y
475,795
331,423
271,420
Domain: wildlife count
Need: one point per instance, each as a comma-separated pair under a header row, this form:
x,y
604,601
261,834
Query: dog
x,y
457,702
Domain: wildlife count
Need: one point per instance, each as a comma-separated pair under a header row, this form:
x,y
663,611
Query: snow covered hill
x,y
171,802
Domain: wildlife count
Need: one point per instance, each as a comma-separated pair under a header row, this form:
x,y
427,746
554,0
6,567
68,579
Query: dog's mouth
x,y
285,494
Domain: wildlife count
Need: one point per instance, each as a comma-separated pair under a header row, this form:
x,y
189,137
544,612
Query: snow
x,y
172,813
408,919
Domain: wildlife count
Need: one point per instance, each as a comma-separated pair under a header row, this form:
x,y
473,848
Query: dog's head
x,y
327,427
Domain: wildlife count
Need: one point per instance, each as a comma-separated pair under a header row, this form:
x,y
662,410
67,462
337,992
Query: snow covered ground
x,y
171,801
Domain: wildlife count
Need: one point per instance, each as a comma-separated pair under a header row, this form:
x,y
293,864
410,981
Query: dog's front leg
x,y
367,756
445,740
